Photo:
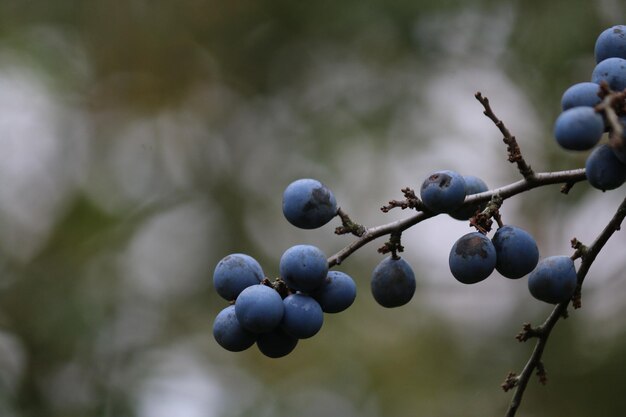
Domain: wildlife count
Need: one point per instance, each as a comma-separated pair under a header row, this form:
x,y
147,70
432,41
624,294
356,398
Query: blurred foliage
x,y
194,114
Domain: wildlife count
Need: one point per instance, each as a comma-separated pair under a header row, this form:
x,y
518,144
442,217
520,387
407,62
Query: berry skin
x,y
580,95
234,273
516,252
611,43
276,344
611,70
393,282
578,128
443,191
604,169
259,308
228,332
472,258
554,280
303,316
473,185
337,293
308,204
303,267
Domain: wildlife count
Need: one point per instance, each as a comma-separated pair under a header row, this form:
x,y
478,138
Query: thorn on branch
x,y
510,381
348,226
513,149
565,188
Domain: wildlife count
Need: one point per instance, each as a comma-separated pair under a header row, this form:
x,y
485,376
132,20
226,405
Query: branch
x,y
538,180
542,333
612,103
515,154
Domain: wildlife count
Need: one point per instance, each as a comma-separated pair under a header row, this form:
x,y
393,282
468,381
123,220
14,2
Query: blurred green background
x,y
142,141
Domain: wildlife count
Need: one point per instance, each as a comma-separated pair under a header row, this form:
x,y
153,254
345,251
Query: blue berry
x,y
472,258
578,128
308,204
473,185
337,293
303,267
259,308
516,252
228,332
604,169
393,282
611,43
276,343
611,70
303,316
580,95
234,273
554,280
443,191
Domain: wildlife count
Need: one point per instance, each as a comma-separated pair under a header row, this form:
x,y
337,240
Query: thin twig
x,y
515,154
538,180
543,332
611,104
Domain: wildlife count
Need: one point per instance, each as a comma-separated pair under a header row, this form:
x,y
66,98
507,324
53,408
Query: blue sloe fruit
x,y
473,185
308,204
578,128
337,292
393,282
604,169
229,334
611,70
611,43
303,267
583,94
516,251
276,343
303,316
554,280
259,308
234,273
472,258
443,191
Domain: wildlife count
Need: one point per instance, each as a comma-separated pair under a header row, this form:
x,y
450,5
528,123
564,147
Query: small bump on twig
x,y
541,373
566,188
510,381
483,221
528,332
392,246
348,226
580,250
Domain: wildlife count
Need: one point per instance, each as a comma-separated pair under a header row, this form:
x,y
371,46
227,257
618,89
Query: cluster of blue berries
x,y
512,251
276,315
580,127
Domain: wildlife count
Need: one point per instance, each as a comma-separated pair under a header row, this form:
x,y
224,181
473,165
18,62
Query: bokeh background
x,y
142,141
